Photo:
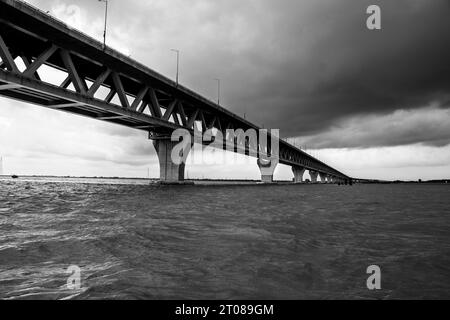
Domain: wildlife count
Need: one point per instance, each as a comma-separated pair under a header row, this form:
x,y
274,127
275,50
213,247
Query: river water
x,y
132,240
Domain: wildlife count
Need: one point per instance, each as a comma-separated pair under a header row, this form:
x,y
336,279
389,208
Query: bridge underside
x,y
46,63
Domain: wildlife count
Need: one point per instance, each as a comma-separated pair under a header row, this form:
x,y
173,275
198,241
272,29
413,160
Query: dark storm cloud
x,y
428,126
306,65
349,70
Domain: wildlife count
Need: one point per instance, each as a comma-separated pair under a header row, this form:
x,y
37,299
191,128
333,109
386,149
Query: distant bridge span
x,y
134,95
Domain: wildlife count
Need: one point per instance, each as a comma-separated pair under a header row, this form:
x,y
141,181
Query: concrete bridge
x,y
32,43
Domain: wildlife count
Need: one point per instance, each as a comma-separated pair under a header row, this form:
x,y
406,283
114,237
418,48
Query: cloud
x,y
428,126
34,132
410,162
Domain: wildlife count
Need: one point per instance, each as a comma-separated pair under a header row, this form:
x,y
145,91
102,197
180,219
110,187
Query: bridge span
x,y
101,83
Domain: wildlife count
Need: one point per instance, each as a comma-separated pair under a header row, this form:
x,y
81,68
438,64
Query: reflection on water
x,y
223,242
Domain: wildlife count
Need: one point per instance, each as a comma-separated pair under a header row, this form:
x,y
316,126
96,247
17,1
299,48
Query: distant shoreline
x,y
440,181
122,178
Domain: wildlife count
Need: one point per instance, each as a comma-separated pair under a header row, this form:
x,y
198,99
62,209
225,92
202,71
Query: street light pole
x,y
218,91
178,61
106,18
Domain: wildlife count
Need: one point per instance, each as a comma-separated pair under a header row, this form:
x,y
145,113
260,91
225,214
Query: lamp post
x,y
178,61
218,91
106,18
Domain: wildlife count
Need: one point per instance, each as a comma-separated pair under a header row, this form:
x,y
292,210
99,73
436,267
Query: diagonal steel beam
x,y
202,118
182,113
175,117
65,83
120,91
170,110
7,57
78,83
154,103
98,82
110,96
140,96
144,105
27,63
192,119
32,68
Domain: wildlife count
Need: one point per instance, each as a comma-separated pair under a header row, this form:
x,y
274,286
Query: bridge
x,y
101,83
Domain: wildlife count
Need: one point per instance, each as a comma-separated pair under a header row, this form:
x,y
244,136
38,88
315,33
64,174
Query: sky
x,y
371,103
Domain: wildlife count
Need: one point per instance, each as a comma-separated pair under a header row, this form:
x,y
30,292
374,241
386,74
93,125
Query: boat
x,y
15,176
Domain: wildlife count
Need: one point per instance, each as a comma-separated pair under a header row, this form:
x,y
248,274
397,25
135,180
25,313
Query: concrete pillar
x,y
298,174
169,172
323,177
313,175
267,169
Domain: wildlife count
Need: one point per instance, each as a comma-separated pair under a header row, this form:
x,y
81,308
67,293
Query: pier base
x,y
267,169
313,175
169,172
266,178
298,174
323,177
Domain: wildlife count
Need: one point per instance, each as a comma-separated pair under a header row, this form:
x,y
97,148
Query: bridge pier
x,y
323,177
298,174
169,172
267,169
313,175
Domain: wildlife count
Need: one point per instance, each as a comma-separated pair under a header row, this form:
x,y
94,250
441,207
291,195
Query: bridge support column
x,y
169,172
267,169
323,177
313,175
298,174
